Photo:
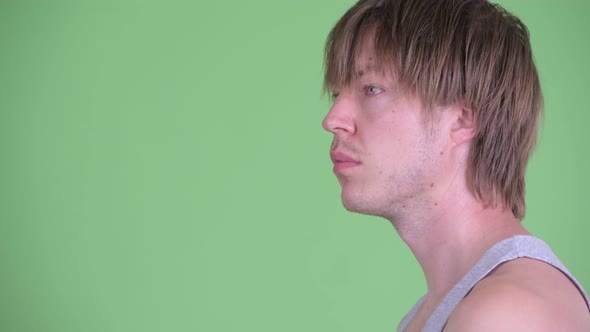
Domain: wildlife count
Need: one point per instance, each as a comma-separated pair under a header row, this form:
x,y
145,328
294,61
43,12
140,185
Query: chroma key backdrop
x,y
164,169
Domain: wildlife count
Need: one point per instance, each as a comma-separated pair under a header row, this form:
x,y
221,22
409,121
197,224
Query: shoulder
x,y
522,295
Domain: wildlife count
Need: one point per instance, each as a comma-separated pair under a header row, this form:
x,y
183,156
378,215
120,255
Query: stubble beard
x,y
403,196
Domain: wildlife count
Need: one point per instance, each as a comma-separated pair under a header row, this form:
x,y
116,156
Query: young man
x,y
435,114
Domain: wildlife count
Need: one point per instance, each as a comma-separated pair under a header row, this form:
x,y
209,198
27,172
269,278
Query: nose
x,y
340,120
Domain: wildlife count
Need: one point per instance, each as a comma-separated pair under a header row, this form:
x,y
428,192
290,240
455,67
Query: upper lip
x,y
340,157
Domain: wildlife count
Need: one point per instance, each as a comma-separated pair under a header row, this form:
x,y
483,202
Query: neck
x,y
451,235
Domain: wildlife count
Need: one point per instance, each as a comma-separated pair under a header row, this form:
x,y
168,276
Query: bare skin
x,y
522,295
411,171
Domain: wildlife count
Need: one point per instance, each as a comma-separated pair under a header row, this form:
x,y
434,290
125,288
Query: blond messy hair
x,y
455,51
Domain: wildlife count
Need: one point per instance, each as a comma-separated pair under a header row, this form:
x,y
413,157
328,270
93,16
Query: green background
x,y
164,169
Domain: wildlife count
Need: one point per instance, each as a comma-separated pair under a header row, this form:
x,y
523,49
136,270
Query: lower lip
x,y
340,166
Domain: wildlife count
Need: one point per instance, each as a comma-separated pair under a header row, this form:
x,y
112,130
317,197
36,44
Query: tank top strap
x,y
511,248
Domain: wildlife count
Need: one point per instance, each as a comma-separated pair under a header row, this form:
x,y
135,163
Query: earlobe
x,y
465,126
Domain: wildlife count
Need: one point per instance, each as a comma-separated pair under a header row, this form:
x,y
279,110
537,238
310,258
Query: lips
x,y
342,161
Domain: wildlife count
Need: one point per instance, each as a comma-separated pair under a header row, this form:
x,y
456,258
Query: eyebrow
x,y
369,69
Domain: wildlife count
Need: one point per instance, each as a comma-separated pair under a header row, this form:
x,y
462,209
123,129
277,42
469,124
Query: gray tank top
x,y
503,251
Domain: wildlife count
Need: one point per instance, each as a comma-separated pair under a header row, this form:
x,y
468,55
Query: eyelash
x,y
367,90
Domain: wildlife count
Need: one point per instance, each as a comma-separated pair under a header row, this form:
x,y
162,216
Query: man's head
x,y
443,53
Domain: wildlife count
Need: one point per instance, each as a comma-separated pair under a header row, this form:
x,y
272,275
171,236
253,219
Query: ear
x,y
464,125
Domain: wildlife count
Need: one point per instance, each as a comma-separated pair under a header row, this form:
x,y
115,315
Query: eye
x,y
372,90
335,95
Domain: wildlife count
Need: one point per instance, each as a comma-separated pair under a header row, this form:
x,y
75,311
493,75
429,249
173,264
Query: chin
x,y
359,204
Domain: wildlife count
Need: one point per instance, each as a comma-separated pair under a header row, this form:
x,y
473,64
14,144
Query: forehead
x,y
364,61
367,69
350,59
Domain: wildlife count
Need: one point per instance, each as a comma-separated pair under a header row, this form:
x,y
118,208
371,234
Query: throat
x,y
447,250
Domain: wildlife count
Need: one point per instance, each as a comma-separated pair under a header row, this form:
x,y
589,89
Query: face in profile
x,y
384,149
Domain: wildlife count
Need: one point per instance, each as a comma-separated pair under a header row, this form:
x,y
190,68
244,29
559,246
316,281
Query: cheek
x,y
391,130
377,105
400,148
394,134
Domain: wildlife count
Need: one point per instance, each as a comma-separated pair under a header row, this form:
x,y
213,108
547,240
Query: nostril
x,y
329,123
